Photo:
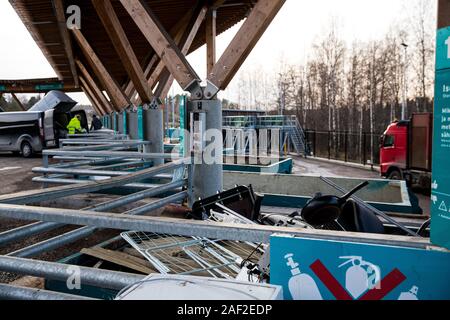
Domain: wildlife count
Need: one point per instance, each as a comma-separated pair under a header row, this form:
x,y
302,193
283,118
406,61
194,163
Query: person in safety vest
x,y
74,125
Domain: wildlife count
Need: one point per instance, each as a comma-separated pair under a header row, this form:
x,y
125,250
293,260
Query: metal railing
x,y
360,148
260,122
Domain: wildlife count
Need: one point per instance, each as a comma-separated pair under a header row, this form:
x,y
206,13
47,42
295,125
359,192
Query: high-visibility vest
x,y
74,126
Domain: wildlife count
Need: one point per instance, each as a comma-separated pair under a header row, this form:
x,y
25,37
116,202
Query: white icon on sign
x,y
411,295
434,185
301,285
447,42
434,199
443,207
361,276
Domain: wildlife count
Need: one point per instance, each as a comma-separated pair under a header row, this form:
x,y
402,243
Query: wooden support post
x,y
94,88
61,19
211,34
123,47
163,44
95,103
242,44
21,106
118,98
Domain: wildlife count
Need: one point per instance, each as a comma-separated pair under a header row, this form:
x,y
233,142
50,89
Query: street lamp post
x,y
405,83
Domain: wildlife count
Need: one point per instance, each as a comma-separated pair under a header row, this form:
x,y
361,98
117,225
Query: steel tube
x,y
40,227
81,182
72,236
81,172
189,228
8,292
26,231
34,196
158,204
57,271
138,155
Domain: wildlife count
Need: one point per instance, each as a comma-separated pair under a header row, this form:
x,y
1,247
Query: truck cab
x,y
405,150
394,150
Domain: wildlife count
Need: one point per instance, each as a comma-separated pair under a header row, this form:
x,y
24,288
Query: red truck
x,y
405,150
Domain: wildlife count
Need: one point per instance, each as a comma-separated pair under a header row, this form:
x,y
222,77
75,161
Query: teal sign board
x,y
182,124
440,222
310,269
50,86
2,88
140,114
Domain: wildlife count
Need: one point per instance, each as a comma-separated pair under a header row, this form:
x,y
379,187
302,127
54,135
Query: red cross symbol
x,y
386,285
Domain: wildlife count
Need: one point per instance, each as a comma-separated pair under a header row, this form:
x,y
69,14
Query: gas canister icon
x,y
360,276
301,285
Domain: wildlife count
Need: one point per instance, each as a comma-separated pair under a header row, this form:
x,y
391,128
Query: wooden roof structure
x,y
134,49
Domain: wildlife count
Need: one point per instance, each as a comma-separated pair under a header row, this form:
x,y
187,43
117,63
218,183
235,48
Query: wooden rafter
x,y
162,43
94,88
211,34
95,103
61,20
21,106
130,91
166,79
118,98
123,47
443,13
245,40
155,66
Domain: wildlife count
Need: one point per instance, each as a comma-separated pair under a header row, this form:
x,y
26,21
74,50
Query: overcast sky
x,y
289,36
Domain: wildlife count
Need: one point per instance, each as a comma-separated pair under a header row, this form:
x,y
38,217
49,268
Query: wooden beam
x,y
92,99
95,89
120,258
162,43
211,33
166,79
21,106
177,32
443,14
130,91
62,26
123,47
244,41
118,98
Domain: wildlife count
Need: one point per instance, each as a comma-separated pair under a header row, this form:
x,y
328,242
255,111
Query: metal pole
x,y
58,271
94,186
405,83
208,177
154,132
8,292
40,227
189,228
72,236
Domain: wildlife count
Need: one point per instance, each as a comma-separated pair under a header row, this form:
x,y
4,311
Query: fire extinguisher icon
x,y
360,276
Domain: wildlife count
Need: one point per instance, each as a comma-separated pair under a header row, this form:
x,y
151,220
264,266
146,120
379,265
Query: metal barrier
x,y
361,148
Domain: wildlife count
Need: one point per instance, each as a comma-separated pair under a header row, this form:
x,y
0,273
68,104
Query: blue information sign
x,y
310,269
440,222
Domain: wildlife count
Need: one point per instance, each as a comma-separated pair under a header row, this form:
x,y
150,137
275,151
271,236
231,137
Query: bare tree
x,y
422,28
